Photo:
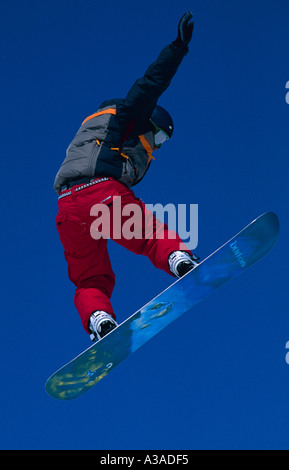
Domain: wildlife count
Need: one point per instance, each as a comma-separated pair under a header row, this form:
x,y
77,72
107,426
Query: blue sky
x,y
217,378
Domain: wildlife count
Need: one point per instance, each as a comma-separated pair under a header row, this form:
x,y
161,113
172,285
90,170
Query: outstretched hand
x,y
185,30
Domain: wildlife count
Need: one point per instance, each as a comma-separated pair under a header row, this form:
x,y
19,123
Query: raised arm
x,y
144,94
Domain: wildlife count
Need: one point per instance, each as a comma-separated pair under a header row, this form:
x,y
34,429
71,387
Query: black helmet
x,y
162,119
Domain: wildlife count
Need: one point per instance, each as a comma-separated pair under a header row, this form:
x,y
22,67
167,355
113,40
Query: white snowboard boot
x,y
100,324
180,263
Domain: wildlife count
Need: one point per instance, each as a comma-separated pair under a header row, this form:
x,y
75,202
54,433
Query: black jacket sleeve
x,y
141,99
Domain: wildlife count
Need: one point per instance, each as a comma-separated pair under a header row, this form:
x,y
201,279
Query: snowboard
x,y
237,255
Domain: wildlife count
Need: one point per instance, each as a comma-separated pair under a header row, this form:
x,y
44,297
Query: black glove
x,y
185,30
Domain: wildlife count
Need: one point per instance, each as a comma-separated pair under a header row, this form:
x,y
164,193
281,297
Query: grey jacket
x,y
118,140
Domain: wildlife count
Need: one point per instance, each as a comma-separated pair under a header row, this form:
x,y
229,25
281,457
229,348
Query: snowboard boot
x,y
100,324
180,263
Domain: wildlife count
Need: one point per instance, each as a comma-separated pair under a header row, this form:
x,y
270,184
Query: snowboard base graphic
x,y
238,254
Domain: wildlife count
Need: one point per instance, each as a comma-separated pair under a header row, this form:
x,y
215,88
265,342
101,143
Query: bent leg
x,y
89,266
142,233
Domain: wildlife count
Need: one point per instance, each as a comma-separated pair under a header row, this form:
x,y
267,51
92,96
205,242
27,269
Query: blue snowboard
x,y
242,251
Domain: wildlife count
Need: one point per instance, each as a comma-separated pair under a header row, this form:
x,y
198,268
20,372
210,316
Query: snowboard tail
x,y
234,257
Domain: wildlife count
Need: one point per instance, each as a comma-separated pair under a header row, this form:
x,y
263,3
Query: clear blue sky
x,y
217,378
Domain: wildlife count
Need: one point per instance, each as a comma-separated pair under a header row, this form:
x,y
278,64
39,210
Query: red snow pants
x,y
89,266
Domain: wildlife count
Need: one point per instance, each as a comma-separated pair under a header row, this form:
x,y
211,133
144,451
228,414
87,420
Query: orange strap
x,y
105,111
146,146
142,138
121,153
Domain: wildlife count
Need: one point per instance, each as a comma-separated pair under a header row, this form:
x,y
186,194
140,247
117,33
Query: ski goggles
x,y
160,136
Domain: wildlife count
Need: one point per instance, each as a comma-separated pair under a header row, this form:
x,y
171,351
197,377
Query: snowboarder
x,y
110,153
